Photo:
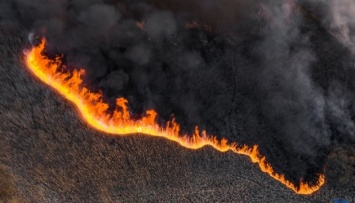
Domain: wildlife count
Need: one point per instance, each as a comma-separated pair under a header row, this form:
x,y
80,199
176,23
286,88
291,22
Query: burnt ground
x,y
49,154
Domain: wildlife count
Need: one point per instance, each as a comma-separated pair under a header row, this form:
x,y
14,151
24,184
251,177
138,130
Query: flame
x,y
95,112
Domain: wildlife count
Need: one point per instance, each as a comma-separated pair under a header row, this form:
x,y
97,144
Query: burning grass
x,y
94,111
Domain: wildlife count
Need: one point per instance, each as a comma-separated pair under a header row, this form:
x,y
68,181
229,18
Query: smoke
x,y
342,21
293,104
277,73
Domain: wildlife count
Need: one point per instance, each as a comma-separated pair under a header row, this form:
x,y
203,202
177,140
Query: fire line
x,y
93,109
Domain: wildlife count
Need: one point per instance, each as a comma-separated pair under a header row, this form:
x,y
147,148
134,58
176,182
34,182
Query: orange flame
x,y
95,112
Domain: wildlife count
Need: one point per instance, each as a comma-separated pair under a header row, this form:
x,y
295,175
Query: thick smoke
x,y
278,74
342,21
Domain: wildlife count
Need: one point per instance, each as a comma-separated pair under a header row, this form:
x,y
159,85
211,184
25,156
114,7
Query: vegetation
x,y
7,186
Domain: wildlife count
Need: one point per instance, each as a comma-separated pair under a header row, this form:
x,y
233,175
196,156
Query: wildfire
x,y
95,112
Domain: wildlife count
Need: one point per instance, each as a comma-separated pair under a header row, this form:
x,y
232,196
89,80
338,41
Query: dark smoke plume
x,y
278,74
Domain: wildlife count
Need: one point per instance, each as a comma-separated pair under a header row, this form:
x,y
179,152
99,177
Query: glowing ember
x,y
198,25
140,25
94,111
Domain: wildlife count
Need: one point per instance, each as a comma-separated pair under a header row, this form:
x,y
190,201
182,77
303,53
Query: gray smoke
x,y
278,73
342,21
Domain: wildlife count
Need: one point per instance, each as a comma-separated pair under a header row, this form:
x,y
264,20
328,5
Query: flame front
x,y
95,112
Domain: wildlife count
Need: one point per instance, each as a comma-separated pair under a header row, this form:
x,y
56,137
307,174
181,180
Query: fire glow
x,y
94,111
